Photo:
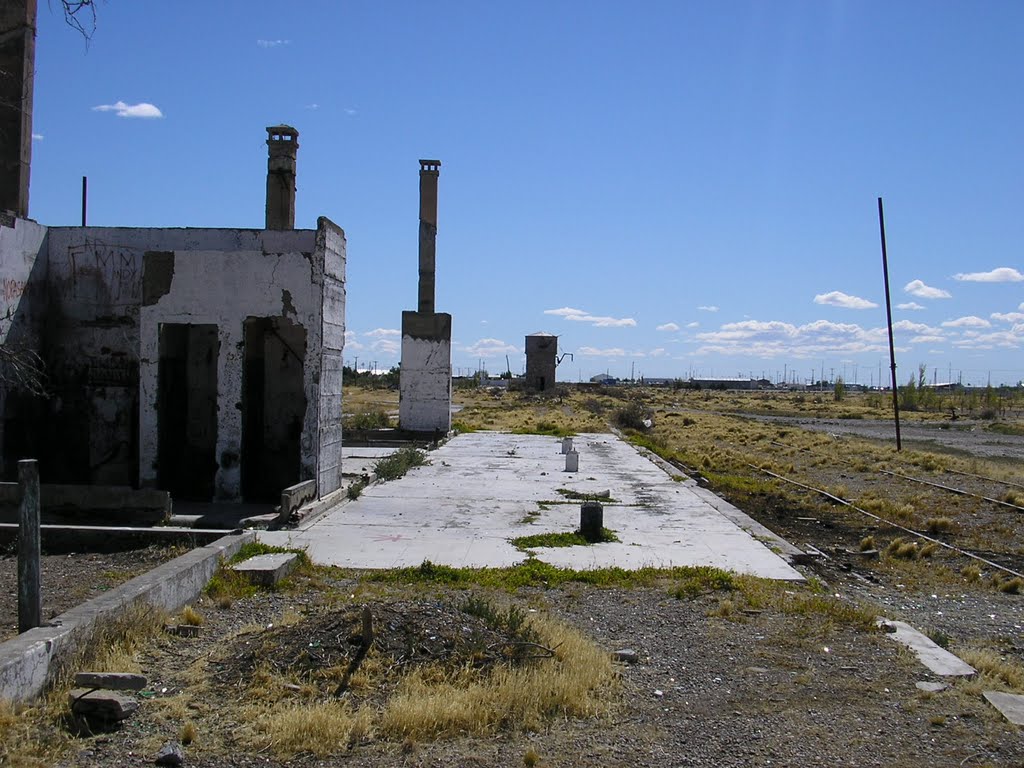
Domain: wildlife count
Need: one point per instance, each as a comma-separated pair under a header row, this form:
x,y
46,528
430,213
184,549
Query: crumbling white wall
x,y
211,285
425,379
330,251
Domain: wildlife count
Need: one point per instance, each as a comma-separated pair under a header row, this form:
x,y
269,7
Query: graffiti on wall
x,y
102,272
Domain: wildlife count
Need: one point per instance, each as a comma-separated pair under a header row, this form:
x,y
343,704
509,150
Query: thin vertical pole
x,y
888,317
85,197
30,604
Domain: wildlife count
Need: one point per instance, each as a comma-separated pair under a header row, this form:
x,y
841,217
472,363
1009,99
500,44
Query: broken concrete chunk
x,y
113,681
102,705
627,655
267,570
937,659
930,687
1010,705
171,753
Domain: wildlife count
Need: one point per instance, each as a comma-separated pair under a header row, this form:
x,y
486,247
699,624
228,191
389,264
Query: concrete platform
x,y
485,488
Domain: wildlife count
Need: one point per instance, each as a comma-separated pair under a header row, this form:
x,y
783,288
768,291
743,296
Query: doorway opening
x,y
273,407
186,405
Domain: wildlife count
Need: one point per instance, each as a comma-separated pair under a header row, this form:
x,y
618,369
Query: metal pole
x,y
888,317
85,196
30,604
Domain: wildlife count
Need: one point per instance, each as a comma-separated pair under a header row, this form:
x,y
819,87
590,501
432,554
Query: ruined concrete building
x,y
426,372
205,362
541,361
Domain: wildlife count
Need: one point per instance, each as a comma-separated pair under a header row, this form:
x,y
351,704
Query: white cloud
x,y
922,291
595,352
599,321
380,333
349,111
910,305
659,352
37,137
844,300
997,275
351,345
774,338
385,347
1008,317
142,109
970,321
671,327
272,43
491,348
694,324
927,339
708,308
314,105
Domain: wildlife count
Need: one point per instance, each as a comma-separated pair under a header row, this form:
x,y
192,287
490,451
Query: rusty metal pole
x,y
888,317
30,603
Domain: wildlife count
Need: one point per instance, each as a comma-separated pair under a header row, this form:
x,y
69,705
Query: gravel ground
x,y
762,688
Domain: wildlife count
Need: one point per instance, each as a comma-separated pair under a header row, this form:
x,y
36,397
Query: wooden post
x,y
888,317
30,604
591,520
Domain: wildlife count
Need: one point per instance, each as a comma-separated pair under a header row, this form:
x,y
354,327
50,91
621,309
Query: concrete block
x,y
1010,705
102,705
112,681
267,570
566,444
937,659
293,497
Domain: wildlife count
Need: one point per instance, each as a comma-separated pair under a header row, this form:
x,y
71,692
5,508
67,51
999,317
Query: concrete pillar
x,y
541,360
283,141
17,68
591,520
566,444
429,171
572,461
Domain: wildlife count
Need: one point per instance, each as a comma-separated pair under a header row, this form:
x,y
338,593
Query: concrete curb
x,y
28,661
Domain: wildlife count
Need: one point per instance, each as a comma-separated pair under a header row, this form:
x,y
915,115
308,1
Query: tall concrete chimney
x,y
17,67
429,171
283,141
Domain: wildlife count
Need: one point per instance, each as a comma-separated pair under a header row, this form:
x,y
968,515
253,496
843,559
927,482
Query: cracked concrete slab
x,y
483,489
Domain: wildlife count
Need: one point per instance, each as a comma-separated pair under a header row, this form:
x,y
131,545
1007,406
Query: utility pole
x,y
888,317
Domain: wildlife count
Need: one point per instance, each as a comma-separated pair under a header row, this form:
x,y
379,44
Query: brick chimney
x,y
283,141
429,171
17,65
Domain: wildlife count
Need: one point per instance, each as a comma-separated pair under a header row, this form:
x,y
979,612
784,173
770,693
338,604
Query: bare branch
x,y
80,15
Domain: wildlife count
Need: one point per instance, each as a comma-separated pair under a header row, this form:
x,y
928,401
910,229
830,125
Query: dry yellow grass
x,y
431,702
994,670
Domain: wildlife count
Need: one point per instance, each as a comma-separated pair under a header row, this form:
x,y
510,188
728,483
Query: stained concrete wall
x,y
22,312
223,278
330,247
425,380
541,354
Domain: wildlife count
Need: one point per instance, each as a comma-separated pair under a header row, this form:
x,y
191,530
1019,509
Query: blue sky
x,y
673,188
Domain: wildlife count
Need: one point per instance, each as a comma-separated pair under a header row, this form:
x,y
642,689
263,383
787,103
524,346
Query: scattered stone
x,y
170,753
1010,705
627,655
757,670
931,687
101,705
183,630
112,681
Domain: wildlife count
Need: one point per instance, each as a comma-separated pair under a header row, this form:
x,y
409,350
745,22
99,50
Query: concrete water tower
x,y
541,359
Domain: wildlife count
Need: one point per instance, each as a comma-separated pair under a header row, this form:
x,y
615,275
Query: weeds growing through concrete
x,y
399,463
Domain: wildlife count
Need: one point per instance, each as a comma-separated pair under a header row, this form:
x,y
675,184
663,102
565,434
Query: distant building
x,y
541,360
723,383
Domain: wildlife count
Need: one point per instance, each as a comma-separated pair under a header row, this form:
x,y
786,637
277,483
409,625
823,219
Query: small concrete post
x,y
30,603
566,444
572,461
591,520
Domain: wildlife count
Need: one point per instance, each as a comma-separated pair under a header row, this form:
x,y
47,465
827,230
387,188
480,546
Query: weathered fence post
x,y
30,603
591,520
